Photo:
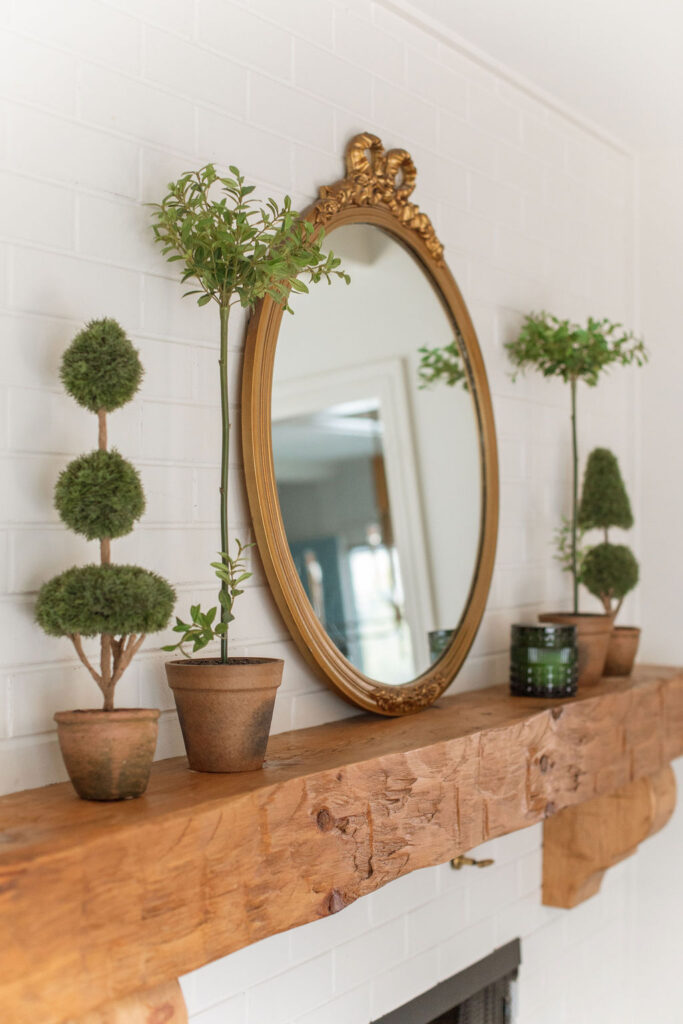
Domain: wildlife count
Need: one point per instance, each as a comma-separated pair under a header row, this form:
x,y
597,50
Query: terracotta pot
x,y
622,650
225,710
108,754
592,634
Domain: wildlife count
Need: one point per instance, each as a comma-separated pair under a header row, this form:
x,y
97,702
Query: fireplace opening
x,y
481,994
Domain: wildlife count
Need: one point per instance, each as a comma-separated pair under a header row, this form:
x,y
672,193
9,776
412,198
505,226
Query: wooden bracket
x,y
581,842
161,1005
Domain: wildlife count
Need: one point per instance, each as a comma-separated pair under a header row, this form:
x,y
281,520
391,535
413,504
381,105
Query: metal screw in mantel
x,y
462,862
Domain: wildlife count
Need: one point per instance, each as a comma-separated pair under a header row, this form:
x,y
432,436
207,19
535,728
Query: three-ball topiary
x,y
100,496
608,571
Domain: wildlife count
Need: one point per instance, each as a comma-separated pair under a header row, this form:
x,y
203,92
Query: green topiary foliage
x,y
100,368
604,501
100,495
114,599
610,571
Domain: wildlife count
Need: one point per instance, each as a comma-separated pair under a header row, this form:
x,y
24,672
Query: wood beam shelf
x,y
101,901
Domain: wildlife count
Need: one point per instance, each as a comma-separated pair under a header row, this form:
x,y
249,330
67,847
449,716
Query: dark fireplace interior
x,y
481,994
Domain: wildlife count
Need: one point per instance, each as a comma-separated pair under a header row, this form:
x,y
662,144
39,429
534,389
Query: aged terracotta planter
x,y
225,711
108,754
592,635
622,650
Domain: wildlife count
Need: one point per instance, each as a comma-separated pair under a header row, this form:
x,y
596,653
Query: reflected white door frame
x,y
386,382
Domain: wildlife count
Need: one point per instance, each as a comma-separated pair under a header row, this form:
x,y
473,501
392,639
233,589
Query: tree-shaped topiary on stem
x,y
609,571
100,496
559,348
238,250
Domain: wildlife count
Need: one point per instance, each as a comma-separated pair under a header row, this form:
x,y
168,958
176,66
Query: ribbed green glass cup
x,y
439,640
543,661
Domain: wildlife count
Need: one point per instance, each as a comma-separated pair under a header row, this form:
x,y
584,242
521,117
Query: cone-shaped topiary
x,y
609,572
604,501
100,496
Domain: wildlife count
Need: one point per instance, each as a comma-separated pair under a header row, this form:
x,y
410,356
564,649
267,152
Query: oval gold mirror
x,y
370,450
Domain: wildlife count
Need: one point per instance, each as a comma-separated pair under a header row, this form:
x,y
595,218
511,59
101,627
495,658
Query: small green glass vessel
x,y
439,640
543,661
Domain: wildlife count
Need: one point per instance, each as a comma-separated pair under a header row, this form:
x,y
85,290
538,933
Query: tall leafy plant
x,y
236,250
559,348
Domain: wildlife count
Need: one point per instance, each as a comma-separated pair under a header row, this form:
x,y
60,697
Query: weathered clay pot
x,y
622,650
108,754
225,710
592,636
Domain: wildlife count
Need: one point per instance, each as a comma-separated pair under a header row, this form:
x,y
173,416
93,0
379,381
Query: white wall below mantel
x,y
101,103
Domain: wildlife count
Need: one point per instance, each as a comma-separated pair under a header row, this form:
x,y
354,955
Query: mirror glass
x,y
377,457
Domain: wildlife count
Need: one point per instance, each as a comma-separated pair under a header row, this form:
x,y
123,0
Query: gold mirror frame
x,y
375,191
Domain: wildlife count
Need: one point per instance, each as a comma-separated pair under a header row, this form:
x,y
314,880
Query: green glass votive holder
x,y
543,661
439,640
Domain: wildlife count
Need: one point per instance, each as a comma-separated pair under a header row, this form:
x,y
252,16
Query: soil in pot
x,y
592,635
108,754
225,710
622,650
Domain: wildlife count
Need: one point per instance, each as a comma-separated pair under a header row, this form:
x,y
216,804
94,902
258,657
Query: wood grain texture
x,y
101,900
582,842
162,1005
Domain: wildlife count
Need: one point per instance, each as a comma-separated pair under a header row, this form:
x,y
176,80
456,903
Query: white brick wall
x,y
101,103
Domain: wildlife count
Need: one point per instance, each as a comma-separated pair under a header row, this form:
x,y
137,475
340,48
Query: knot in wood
x,y
544,763
324,820
336,901
550,809
162,1014
557,713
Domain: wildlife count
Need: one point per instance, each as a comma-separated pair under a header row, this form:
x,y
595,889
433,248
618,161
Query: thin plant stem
x,y
225,454
575,496
102,429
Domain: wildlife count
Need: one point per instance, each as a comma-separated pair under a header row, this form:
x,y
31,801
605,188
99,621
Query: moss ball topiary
x,y
114,599
604,501
610,570
100,368
100,495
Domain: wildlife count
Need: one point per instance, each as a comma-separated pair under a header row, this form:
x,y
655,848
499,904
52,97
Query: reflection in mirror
x,y
377,458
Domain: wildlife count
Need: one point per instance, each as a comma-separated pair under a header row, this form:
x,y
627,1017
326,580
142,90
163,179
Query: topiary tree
x,y
100,496
608,571
604,501
559,348
237,250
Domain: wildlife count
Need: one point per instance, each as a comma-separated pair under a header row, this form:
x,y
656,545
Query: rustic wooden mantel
x,y
99,901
